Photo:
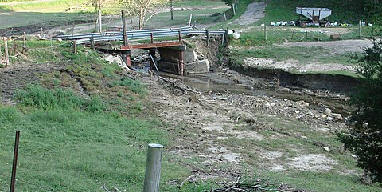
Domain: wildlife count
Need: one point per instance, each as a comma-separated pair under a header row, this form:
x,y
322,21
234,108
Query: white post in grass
x,y
234,9
99,21
360,29
153,168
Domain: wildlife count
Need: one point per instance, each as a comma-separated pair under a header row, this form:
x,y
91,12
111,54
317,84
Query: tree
x,y
365,137
141,8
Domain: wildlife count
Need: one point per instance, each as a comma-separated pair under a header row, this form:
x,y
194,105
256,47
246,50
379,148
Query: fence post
x,y
24,43
233,9
124,30
74,47
190,20
360,29
153,168
306,35
6,52
265,33
1,56
172,9
99,21
15,158
208,37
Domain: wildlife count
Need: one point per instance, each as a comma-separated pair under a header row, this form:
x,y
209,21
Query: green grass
x,y
303,55
71,150
198,3
75,143
54,6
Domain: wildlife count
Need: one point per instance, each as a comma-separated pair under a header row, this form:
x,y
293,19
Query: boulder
x,y
202,66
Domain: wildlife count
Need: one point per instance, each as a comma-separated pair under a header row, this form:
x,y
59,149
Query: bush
x,y
365,137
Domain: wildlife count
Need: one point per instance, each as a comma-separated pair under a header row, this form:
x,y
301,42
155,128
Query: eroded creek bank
x,y
228,123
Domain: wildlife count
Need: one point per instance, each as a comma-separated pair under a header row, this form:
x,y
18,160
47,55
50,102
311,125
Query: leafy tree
x,y
365,137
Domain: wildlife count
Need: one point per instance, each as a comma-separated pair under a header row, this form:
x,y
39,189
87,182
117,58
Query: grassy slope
x,y
30,13
69,143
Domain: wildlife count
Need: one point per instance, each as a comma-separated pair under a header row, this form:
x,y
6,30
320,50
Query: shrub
x,y
365,137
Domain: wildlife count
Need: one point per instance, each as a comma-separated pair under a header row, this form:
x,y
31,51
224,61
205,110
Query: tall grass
x,y
42,98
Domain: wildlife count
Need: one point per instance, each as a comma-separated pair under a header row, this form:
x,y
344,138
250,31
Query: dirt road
x,y
254,12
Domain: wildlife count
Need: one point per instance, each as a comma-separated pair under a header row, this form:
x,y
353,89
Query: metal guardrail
x,y
136,34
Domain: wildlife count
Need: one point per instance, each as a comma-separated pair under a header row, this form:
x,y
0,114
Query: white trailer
x,y
314,14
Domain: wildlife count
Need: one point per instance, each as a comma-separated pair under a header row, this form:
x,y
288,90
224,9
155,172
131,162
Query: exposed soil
x,y
205,118
254,12
18,75
336,47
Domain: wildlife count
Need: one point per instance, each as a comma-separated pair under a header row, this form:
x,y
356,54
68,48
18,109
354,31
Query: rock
x,y
303,104
337,116
202,66
190,56
327,111
326,149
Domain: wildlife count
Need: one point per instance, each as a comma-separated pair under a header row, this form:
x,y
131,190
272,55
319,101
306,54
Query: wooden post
x,y
233,9
6,52
360,29
152,37
153,168
180,36
92,43
172,9
99,21
224,16
265,33
1,56
189,20
181,63
152,60
74,25
24,44
226,37
208,37
74,47
14,49
124,31
41,33
306,35
15,158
